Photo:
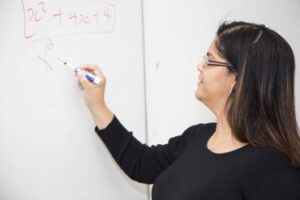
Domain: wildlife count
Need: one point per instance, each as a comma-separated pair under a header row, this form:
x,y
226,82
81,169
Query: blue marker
x,y
91,77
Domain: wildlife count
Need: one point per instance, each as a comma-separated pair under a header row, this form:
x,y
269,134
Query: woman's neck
x,y
223,139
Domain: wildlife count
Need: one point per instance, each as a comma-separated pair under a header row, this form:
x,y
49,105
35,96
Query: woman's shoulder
x,y
202,128
199,132
267,170
195,133
267,161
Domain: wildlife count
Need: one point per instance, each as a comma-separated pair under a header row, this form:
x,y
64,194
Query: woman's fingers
x,y
94,69
83,81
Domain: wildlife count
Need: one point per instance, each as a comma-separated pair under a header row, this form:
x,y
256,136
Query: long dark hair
x,y
261,107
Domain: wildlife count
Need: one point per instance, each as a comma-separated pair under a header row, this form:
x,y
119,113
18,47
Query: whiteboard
x,y
48,147
178,33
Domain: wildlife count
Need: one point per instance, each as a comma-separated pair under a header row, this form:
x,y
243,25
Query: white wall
x,y
178,33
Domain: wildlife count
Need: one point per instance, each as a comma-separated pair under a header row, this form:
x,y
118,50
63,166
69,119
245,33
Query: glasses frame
x,y
207,62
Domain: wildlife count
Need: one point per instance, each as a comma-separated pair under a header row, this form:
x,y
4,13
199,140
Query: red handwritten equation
x,y
56,18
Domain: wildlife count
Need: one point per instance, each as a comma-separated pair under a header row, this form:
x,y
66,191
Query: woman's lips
x,y
200,80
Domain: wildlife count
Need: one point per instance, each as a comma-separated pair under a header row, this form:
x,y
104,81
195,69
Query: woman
x,y
252,152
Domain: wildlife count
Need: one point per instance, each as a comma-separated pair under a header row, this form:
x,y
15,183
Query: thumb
x,y
83,80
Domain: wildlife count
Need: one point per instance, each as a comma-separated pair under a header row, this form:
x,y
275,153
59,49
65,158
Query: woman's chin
x,y
198,94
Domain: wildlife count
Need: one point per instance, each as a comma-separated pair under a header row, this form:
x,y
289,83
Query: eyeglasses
x,y
207,62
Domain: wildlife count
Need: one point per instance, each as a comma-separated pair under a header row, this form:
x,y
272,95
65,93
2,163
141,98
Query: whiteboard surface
x,y
48,147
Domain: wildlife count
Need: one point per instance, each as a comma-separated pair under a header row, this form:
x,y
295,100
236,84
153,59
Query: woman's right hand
x,y
94,96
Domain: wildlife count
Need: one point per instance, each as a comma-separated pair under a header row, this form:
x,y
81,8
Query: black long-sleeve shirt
x,y
185,169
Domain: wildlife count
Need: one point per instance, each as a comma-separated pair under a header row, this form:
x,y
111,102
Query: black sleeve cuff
x,y
115,137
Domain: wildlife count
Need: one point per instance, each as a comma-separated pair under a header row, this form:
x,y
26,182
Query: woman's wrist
x,y
102,116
